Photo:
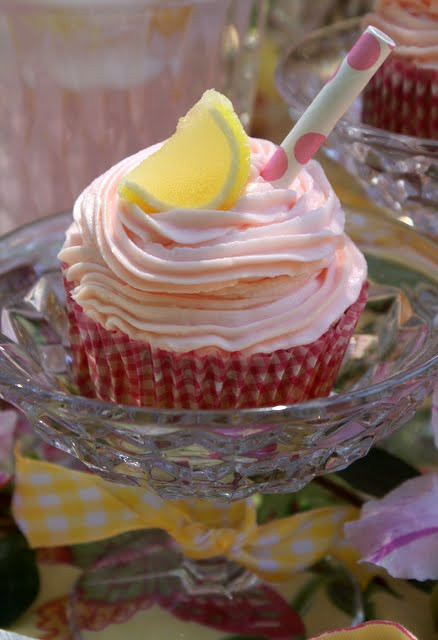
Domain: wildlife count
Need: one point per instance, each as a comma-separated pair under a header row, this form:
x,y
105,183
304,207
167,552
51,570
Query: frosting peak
x,y
273,272
413,25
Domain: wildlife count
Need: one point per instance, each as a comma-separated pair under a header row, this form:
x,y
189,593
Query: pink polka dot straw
x,y
311,130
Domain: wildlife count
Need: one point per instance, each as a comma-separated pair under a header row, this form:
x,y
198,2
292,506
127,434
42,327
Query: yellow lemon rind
x,y
220,110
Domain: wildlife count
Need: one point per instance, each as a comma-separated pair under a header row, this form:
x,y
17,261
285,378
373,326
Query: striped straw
x,y
312,129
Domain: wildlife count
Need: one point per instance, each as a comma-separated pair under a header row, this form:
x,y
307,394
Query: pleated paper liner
x,y
112,367
403,98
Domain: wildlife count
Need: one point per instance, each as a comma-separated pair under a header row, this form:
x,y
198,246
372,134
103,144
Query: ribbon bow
x,y
55,506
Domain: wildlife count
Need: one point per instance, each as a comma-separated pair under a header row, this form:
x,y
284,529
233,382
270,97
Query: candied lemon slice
x,y
204,165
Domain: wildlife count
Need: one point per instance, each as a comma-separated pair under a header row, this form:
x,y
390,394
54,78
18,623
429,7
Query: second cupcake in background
x,y
403,95
202,286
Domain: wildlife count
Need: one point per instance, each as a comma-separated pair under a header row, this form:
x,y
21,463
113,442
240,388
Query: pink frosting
x,y
412,24
274,272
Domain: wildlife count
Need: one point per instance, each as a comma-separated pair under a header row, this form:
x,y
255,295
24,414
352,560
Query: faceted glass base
x,y
137,571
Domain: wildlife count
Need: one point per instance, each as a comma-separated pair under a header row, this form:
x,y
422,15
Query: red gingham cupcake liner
x,y
112,367
403,98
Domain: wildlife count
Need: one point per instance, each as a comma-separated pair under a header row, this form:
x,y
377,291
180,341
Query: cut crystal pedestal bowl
x,y
397,171
389,368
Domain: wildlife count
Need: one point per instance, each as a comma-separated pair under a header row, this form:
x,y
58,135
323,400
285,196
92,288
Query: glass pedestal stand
x,y
390,367
147,568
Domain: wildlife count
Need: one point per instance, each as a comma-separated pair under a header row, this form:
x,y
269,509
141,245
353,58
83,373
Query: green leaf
x,y
303,599
426,586
314,496
369,609
5,499
343,594
342,588
19,577
275,506
378,473
377,584
434,606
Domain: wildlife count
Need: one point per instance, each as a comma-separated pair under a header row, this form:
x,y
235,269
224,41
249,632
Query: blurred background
x,y
84,83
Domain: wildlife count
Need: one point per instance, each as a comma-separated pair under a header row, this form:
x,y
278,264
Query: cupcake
x,y
403,95
193,283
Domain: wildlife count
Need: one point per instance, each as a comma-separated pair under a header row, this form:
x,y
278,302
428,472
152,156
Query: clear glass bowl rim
x,y
344,125
317,407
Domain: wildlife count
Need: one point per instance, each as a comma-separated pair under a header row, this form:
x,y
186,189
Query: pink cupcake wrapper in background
x,y
112,367
403,98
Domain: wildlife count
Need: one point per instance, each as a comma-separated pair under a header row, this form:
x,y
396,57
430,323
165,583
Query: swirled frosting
x,y
273,272
412,24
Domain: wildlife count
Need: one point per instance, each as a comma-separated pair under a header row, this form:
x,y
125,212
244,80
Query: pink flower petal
x,y
400,531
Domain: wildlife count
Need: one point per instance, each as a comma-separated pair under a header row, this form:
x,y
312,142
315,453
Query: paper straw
x,y
311,130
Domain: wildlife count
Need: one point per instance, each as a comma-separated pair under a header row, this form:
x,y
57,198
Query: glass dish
x,y
390,367
397,171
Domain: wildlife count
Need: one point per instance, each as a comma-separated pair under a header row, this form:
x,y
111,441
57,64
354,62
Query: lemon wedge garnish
x,y
204,165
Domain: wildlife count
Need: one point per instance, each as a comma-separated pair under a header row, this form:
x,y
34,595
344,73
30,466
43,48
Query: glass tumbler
x,y
84,83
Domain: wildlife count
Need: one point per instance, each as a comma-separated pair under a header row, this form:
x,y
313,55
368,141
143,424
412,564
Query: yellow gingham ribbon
x,y
55,506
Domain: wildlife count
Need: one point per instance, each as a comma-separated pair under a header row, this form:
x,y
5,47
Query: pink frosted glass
x,y
83,86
